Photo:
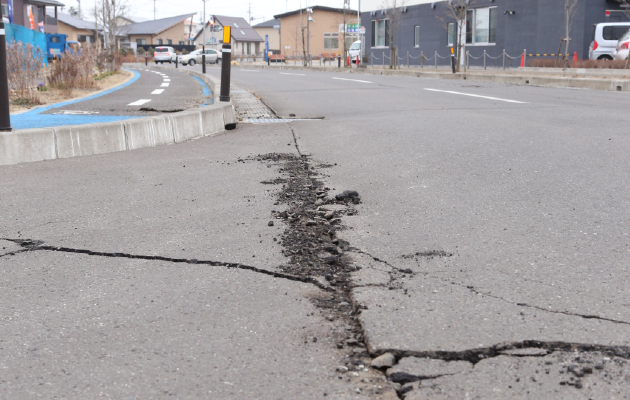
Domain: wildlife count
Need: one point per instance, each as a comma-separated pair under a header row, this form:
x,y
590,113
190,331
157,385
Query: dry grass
x,y
75,69
25,73
598,64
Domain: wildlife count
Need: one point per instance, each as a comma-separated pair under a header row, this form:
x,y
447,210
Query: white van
x,y
605,38
355,51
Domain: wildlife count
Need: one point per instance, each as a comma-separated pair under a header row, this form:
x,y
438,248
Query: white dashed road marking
x,y
476,95
286,73
167,80
139,102
157,91
164,85
353,80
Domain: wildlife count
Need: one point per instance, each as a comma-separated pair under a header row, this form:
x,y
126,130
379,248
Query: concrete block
x,y
229,116
85,140
186,125
212,120
27,145
148,132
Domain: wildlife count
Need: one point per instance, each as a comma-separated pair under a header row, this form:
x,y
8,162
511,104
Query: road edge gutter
x,y
40,144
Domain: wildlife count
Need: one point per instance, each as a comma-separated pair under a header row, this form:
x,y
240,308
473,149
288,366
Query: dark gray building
x,y
513,25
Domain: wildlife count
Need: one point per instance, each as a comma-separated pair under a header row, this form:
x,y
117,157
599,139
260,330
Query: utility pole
x,y
79,3
250,14
204,24
154,10
5,115
308,34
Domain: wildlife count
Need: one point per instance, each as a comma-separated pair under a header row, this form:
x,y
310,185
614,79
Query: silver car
x,y
190,58
164,54
212,57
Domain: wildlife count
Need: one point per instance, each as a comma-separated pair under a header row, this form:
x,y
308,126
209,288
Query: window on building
x,y
331,41
5,11
249,48
41,12
416,37
181,42
481,26
85,38
451,34
380,33
159,42
169,41
141,41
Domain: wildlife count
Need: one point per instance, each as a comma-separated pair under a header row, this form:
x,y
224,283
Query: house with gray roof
x,y
44,12
78,29
245,40
271,29
158,32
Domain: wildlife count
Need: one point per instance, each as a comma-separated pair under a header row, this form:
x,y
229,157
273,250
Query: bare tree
x,y
394,9
570,10
458,10
108,15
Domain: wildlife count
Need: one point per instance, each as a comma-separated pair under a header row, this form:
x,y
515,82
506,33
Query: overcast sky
x,y
261,9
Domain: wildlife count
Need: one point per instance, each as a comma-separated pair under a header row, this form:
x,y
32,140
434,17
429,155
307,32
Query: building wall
x,y
536,26
274,37
73,33
325,22
175,33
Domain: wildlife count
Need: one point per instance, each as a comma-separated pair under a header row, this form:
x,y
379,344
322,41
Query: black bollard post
x,y
339,60
203,60
146,60
453,60
226,64
5,115
176,61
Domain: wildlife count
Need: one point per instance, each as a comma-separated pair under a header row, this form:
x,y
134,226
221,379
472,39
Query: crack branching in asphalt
x,y
36,245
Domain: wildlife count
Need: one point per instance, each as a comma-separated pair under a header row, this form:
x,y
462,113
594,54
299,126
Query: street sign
x,y
266,48
350,28
362,30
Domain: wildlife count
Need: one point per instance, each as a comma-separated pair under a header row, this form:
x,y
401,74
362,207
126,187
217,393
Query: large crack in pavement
x,y
37,245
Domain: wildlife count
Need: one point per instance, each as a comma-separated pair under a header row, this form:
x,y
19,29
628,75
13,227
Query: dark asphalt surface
x,y
485,225
178,92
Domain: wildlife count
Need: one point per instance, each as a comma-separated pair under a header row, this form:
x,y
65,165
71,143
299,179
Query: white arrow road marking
x,y
139,102
164,85
476,95
157,91
353,80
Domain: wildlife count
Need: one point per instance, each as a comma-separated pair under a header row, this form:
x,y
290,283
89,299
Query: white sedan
x,y
621,53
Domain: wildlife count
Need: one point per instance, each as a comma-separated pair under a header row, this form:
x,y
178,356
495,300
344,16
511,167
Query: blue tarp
x,y
22,34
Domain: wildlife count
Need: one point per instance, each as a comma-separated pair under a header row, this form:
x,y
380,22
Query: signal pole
x,y
5,115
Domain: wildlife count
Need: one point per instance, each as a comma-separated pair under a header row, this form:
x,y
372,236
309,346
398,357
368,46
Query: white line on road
x,y
139,102
476,95
167,80
353,80
249,70
164,85
157,91
164,76
287,73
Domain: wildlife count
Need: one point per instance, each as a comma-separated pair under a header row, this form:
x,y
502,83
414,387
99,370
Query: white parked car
x,y
621,52
605,38
164,54
190,58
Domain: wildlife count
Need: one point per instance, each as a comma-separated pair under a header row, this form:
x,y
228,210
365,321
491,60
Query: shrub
x,y
150,51
75,69
24,72
141,51
184,52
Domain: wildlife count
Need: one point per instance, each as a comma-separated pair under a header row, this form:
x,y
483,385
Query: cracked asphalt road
x,y
489,253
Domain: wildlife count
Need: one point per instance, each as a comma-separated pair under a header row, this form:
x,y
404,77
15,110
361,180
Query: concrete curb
x,y
28,145
617,85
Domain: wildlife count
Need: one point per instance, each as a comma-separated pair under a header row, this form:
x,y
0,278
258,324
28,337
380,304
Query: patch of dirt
x,y
53,96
